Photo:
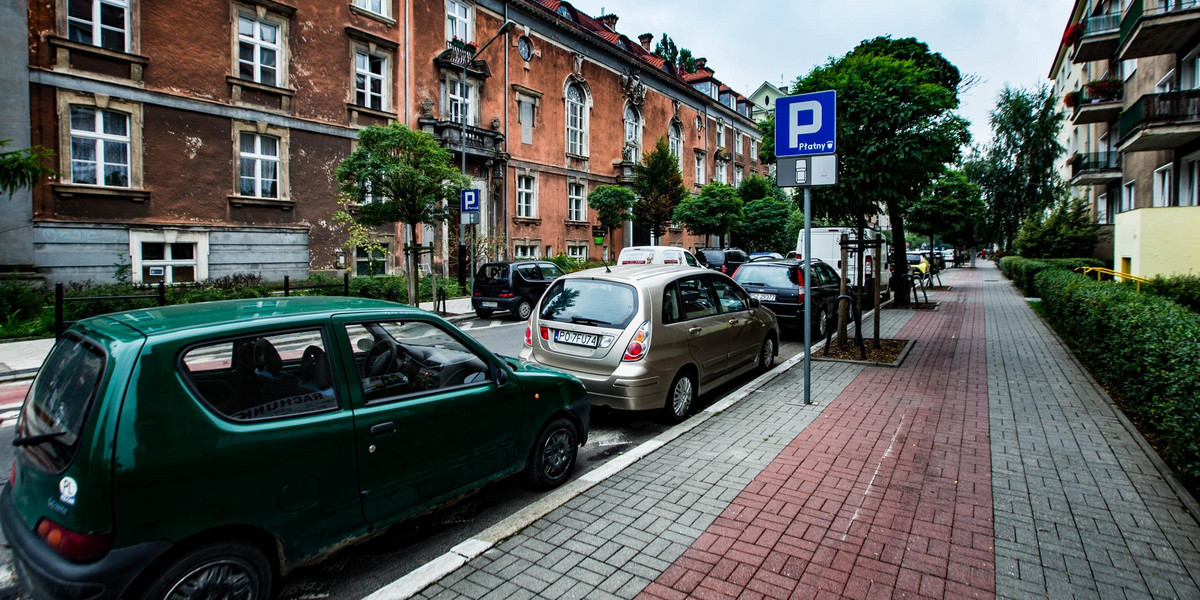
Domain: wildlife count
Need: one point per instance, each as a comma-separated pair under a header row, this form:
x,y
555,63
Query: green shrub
x,y
1144,348
1183,289
21,301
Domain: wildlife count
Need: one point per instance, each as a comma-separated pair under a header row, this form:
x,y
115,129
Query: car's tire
x,y
680,397
228,569
552,458
767,353
820,326
523,310
483,313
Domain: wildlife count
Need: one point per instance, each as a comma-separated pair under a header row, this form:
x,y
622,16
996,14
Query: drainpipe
x,y
504,178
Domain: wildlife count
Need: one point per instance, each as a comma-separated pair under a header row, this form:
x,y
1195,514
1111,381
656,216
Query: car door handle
x,y
733,321
382,428
694,330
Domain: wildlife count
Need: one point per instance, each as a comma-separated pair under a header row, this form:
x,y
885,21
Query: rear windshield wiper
x,y
30,440
587,321
754,283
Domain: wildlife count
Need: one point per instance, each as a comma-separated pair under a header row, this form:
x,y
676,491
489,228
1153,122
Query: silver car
x,y
650,337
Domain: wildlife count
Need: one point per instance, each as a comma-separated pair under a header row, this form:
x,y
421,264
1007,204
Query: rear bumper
x,y
629,387
46,575
510,304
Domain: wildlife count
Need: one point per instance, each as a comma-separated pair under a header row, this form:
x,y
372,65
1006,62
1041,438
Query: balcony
x,y
1160,122
1096,168
1098,38
1099,102
481,142
1160,29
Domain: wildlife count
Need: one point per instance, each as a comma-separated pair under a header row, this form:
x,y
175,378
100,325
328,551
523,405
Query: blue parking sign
x,y
469,200
806,124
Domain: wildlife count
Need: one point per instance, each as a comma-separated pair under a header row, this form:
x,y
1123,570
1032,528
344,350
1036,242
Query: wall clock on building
x,y
525,47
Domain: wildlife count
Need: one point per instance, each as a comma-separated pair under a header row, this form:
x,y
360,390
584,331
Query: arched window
x,y
675,139
576,121
633,132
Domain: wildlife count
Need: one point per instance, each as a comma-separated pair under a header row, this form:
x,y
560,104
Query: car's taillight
x,y
724,268
868,263
640,344
800,280
529,332
544,332
72,545
505,295
477,294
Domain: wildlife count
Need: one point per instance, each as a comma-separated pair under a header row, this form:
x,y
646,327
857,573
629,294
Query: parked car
x,y
185,451
724,260
656,255
779,285
650,338
758,256
512,286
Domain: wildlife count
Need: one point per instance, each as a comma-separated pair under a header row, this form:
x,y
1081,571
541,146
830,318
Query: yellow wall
x,y
1158,241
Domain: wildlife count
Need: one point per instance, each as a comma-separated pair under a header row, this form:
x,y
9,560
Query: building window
x,y
576,121
1127,196
1163,195
576,202
369,261
737,142
100,147
168,256
259,51
370,80
577,251
458,21
526,250
720,176
1102,208
526,196
1191,187
103,23
721,135
699,169
675,140
737,176
259,160
753,149
460,100
379,7
633,133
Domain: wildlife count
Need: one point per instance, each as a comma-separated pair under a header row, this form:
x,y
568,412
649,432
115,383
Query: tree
x,y
659,187
1017,170
23,168
666,49
766,149
686,61
714,211
1069,231
896,131
612,204
950,208
756,187
764,225
398,175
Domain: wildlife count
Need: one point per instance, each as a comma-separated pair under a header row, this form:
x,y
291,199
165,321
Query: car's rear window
x,y
780,277
60,398
590,302
714,257
492,274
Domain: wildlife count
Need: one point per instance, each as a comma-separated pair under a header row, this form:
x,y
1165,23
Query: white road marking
x,y
879,466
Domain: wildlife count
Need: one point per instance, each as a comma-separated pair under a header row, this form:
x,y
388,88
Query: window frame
x,y
577,251
97,26
632,130
385,77
577,208
701,172
450,98
283,170
582,106
1164,181
134,153
260,15
675,141
528,195
167,236
384,5
468,22
1128,195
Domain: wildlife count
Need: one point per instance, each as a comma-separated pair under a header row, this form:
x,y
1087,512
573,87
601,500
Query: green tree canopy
x,y
399,176
764,225
950,208
756,187
666,49
613,204
1017,169
23,168
714,211
659,187
1069,231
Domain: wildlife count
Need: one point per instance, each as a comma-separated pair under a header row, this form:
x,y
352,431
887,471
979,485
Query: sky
x,y
746,42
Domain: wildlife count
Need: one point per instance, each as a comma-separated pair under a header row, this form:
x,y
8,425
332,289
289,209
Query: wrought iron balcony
x,y
1165,28
1160,121
1098,40
480,142
1096,168
1091,107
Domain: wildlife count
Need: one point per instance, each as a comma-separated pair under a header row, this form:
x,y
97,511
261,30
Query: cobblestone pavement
x,y
989,464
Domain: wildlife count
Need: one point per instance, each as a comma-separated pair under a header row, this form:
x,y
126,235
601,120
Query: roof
x,y
160,320
635,273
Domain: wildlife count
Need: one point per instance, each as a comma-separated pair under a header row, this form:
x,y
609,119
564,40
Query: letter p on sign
x,y
798,129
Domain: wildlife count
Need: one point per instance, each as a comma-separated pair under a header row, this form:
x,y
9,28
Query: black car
x,y
514,286
779,285
725,260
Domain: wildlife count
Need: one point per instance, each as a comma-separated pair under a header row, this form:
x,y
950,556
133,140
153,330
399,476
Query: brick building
x,y
214,156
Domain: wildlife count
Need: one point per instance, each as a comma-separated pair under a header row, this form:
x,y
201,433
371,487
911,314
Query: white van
x,y
657,255
826,245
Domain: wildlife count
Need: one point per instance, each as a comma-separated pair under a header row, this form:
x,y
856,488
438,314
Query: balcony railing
x,y
479,141
1137,11
1095,162
1160,109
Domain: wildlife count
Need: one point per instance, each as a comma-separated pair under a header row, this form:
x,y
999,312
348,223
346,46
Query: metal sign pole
x,y
807,294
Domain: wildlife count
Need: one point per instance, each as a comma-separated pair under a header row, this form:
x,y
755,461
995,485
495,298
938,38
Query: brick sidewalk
x,y
987,465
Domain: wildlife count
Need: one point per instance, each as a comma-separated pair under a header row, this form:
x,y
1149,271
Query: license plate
x,y
489,304
763,297
590,340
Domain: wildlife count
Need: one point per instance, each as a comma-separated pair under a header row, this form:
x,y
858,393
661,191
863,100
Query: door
x,y
745,332
429,421
707,329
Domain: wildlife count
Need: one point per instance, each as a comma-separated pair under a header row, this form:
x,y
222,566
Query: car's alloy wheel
x,y
679,398
524,308
821,324
553,456
766,357
229,570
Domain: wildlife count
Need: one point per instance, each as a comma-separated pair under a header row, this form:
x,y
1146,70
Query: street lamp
x,y
462,138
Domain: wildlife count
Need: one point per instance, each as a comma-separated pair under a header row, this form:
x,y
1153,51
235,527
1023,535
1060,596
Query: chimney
x,y
645,39
701,62
609,20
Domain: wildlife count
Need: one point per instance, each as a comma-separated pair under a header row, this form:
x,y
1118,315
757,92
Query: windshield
x,y
59,399
590,302
780,277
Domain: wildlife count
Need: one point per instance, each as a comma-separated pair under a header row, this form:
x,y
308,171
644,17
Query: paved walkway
x,y
988,465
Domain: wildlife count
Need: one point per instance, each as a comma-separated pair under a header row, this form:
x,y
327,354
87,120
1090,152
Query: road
x,y
364,568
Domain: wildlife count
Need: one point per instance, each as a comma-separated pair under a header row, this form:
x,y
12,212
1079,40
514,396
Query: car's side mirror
x,y
500,375
755,303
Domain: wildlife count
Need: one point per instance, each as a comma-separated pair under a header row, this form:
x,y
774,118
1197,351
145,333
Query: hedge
x,y
1184,289
1144,348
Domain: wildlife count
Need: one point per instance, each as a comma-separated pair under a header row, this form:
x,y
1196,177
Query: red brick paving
x,y
886,495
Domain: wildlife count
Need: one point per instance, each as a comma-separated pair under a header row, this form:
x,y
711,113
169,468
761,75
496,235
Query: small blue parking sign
x,y
469,200
806,124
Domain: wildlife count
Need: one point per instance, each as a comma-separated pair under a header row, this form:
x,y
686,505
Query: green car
x,y
206,450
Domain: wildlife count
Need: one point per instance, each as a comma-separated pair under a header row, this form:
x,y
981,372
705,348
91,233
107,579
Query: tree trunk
x,y
899,257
